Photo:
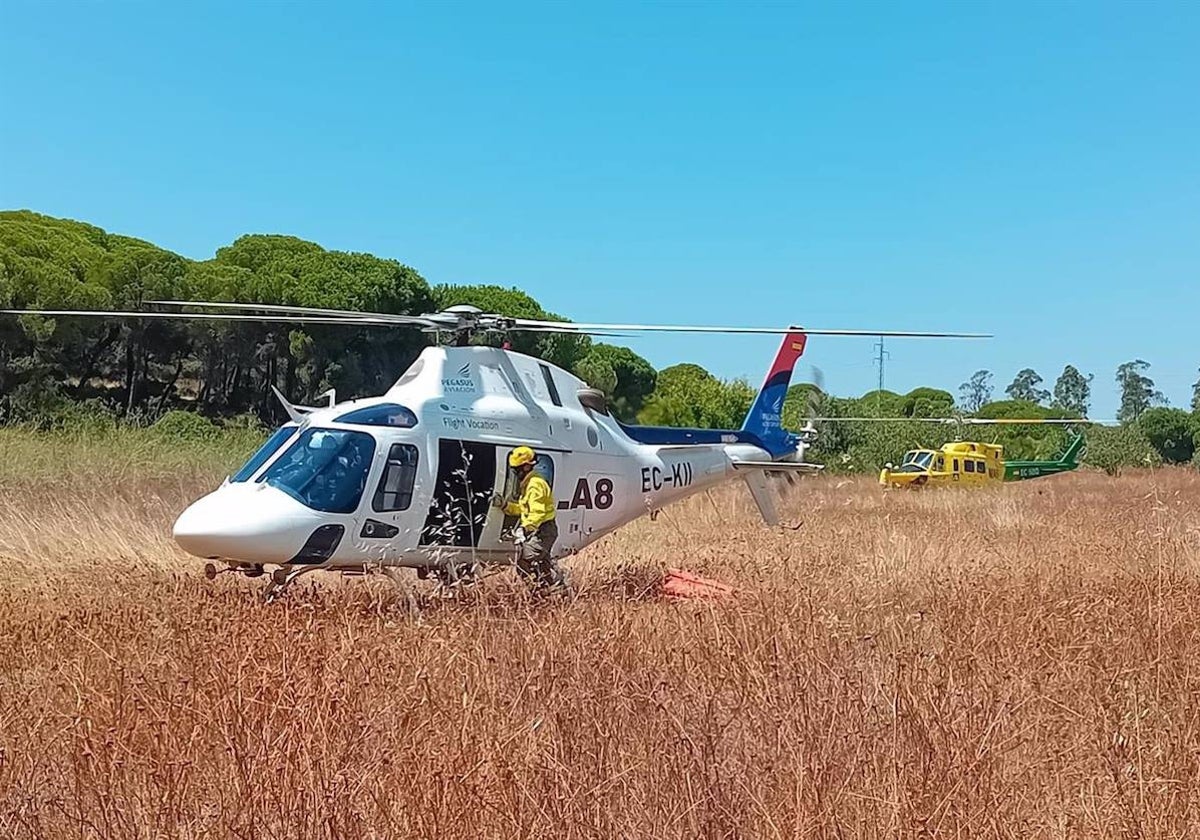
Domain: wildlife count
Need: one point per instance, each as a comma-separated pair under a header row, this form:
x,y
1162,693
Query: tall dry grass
x,y
1020,663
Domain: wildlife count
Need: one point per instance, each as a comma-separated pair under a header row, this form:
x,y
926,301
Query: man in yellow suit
x,y
537,531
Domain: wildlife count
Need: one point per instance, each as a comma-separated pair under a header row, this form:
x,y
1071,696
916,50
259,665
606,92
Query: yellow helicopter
x,y
969,463
964,463
972,464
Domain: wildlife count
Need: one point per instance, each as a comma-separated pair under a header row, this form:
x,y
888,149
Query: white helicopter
x,y
404,480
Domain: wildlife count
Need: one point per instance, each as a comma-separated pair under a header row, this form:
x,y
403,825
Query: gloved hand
x,y
519,535
497,500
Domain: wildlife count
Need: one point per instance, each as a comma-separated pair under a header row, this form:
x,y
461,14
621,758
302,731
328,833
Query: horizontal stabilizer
x,y
760,489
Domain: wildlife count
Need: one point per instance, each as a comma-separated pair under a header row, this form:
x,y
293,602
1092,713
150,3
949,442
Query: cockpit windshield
x,y
916,461
325,469
264,453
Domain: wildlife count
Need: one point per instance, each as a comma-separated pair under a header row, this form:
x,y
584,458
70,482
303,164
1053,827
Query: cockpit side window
x,y
325,469
395,490
550,386
264,453
384,414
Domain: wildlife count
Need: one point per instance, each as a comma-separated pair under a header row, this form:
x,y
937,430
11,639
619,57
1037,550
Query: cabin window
x,y
543,466
956,465
395,489
969,465
941,464
264,453
980,467
325,469
550,386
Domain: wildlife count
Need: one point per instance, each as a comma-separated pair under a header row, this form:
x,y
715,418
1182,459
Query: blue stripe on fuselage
x,y
669,436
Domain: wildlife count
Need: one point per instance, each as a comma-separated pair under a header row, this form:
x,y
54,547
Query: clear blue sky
x,y
1031,170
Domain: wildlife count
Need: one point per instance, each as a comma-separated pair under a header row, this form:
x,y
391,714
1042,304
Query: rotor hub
x,y
463,321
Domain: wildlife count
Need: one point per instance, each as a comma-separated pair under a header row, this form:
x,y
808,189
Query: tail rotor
x,y
814,401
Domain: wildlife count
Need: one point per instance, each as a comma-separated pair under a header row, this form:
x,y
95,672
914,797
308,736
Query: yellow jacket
x,y
536,504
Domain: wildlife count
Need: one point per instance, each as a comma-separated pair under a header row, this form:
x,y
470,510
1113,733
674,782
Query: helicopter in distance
x,y
966,463
404,479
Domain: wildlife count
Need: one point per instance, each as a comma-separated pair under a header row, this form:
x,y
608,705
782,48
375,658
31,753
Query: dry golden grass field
x,y
1021,663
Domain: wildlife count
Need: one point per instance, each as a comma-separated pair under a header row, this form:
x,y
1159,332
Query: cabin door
x,y
466,479
554,467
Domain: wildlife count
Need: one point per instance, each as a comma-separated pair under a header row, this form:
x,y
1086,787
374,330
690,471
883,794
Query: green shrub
x,y
1169,431
1113,448
40,404
185,426
243,423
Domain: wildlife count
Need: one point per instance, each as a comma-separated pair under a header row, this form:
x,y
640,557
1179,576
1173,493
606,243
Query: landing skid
x,y
248,569
281,579
450,578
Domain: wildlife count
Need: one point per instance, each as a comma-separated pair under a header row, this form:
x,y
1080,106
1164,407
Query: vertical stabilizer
x,y
1070,458
761,491
765,419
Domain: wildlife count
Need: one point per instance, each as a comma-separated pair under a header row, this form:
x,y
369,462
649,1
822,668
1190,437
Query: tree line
x,y
139,369
56,371
1073,391
1155,431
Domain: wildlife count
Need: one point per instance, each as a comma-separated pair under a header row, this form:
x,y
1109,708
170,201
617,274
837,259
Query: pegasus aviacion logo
x,y
461,383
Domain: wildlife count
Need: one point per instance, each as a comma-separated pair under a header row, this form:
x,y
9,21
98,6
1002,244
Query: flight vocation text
x,y
470,423
653,478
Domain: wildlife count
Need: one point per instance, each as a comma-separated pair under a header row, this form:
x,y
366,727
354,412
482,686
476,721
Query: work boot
x,y
552,579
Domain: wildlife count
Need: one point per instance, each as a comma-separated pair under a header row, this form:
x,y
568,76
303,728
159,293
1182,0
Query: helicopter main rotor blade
x,y
200,316
879,420
568,326
342,314
454,320
444,321
1032,421
286,315
966,421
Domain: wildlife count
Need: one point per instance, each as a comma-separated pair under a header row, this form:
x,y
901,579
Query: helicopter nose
x,y
256,524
